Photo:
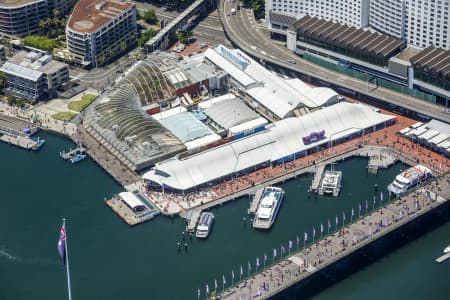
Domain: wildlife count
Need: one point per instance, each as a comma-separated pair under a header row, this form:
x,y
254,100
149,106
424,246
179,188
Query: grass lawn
x,y
64,115
83,103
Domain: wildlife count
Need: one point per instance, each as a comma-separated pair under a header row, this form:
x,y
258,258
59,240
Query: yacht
x,y
331,183
268,207
204,225
447,250
409,178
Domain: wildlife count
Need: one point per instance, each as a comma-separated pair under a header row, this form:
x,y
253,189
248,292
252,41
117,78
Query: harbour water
x,y
109,260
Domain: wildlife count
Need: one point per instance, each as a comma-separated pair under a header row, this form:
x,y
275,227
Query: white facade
x,y
388,16
349,12
428,23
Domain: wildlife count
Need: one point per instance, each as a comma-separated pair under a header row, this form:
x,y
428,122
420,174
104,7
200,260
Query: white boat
x,y
268,207
204,225
409,178
447,250
331,183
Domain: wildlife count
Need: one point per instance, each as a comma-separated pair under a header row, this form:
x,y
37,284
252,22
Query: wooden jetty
x,y
300,263
128,215
317,178
72,152
255,201
191,216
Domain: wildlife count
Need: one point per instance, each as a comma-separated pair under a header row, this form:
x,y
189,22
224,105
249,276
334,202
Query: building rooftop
x,y
408,53
435,60
16,3
19,71
89,15
344,36
37,62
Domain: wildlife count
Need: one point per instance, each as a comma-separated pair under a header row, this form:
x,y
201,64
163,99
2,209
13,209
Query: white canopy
x,y
281,140
131,200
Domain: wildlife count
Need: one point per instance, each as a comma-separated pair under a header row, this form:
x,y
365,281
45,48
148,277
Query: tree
x,y
184,36
150,16
11,99
101,60
123,46
20,102
2,81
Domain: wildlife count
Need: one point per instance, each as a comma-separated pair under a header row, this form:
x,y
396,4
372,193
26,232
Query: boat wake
x,y
13,258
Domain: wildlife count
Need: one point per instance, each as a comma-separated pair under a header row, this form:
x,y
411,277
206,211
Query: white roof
x,y
131,199
405,130
281,140
419,131
416,125
439,138
203,141
234,71
429,134
231,112
247,125
168,113
20,71
208,103
445,144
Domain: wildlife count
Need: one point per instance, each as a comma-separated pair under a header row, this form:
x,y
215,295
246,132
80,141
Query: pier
x,y
322,254
132,213
379,159
255,201
317,178
443,258
191,216
17,132
72,152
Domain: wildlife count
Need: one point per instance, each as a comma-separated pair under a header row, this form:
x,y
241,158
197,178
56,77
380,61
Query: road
x,y
243,31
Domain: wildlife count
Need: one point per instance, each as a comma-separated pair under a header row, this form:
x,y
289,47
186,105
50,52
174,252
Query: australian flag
x,y
62,246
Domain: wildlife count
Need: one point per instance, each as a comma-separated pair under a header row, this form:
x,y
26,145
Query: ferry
x,y
269,204
409,178
204,225
331,183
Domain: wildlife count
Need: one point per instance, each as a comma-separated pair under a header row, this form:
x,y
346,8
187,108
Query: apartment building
x,y
99,30
34,75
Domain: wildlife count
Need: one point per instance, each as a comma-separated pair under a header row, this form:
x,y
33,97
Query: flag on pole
x,y
274,252
257,262
198,293
62,246
367,205
359,209
232,274
224,281
306,236
298,241
337,220
321,228
329,224
265,257
283,250
215,284
207,289
249,267
373,201
353,212
314,232
381,197
242,271
290,244
343,217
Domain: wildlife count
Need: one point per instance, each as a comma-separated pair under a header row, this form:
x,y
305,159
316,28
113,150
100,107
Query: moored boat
x,y
268,207
331,183
204,225
409,178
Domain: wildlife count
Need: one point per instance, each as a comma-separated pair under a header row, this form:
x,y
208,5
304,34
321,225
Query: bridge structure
x,y
161,41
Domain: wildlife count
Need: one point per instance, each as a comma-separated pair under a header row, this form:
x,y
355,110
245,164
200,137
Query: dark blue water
x,y
109,260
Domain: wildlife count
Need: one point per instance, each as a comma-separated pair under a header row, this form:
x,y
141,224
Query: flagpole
x,y
69,289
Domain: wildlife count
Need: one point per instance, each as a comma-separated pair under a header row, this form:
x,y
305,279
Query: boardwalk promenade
x,y
343,241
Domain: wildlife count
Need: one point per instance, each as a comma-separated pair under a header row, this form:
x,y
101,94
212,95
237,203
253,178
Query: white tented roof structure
x,y
247,126
186,127
281,140
439,138
280,96
429,134
207,103
131,200
231,112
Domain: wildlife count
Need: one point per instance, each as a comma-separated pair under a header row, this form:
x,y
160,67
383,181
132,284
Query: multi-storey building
x,y
427,23
34,75
349,12
98,30
388,17
21,17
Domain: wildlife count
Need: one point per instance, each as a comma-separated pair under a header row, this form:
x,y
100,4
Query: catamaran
x,y
409,178
268,207
204,225
331,183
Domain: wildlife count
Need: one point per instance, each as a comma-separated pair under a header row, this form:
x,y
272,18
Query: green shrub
x,y
83,103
